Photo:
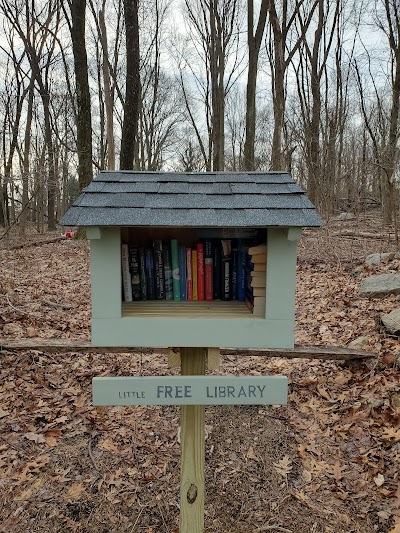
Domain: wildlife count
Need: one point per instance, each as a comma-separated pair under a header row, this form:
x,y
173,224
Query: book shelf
x,y
193,309
222,275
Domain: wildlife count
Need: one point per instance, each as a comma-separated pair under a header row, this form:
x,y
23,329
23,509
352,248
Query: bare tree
x,y
132,86
83,111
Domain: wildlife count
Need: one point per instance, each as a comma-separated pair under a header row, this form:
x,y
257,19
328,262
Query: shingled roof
x,y
215,199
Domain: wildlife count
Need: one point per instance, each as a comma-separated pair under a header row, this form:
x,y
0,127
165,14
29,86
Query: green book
x,y
175,270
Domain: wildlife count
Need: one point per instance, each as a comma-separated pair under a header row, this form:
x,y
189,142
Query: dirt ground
x,y
328,462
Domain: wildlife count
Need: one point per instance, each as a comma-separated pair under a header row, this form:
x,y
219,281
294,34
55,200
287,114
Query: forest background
x,y
306,86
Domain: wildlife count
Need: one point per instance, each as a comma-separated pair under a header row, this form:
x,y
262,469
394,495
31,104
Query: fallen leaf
x,y
250,454
31,332
379,480
391,434
284,466
324,394
35,437
3,413
383,515
75,491
396,528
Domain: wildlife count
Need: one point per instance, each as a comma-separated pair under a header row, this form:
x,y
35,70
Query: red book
x,y
189,280
208,271
200,271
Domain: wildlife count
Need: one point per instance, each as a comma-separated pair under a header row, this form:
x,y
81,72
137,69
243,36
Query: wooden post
x,y
193,362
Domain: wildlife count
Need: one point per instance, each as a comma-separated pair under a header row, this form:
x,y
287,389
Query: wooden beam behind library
x,y
84,346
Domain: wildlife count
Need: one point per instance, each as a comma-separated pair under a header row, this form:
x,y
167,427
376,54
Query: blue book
x,y
151,287
182,271
159,269
176,285
167,271
241,279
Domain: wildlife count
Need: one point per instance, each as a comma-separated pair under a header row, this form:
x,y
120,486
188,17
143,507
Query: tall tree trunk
x,y
107,94
26,163
132,90
253,43
84,115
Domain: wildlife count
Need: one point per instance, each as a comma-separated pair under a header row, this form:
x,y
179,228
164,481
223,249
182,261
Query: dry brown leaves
x,y
327,462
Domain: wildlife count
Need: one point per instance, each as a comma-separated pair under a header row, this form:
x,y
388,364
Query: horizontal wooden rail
x,y
84,346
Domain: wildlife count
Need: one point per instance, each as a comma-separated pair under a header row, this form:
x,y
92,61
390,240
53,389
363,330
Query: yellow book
x,y
259,259
194,274
259,249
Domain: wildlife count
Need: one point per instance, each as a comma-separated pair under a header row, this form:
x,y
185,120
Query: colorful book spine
x,y
182,272
126,275
175,271
226,269
208,271
234,274
151,290
217,270
142,273
159,270
189,281
135,273
200,271
194,275
241,293
168,283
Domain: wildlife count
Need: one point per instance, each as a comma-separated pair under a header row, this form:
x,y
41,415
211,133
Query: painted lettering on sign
x,y
190,390
230,391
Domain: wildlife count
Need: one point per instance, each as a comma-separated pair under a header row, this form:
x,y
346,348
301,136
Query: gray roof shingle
x,y
215,199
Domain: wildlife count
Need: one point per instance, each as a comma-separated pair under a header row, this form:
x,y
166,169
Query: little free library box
x,y
193,259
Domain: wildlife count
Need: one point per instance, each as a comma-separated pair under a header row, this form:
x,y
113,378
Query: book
x,y
159,270
194,274
226,269
176,267
217,270
208,271
257,267
167,260
189,281
234,275
182,272
256,259
126,275
258,291
258,273
258,282
257,307
142,273
135,274
241,282
149,263
257,250
200,271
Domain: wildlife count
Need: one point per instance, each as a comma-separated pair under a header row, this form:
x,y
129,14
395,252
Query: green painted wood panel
x,y
190,390
181,332
105,273
281,275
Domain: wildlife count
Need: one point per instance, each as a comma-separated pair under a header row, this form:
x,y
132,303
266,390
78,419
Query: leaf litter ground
x,y
326,463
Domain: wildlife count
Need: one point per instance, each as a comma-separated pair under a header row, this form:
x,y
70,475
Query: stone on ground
x,y
375,259
360,343
391,321
380,285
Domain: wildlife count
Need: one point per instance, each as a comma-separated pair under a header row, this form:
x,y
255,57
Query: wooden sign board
x,y
190,390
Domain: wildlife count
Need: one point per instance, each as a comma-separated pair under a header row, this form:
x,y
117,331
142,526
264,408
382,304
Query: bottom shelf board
x,y
193,309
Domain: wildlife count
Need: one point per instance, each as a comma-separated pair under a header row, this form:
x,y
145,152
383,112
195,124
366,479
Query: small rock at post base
x,y
391,321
